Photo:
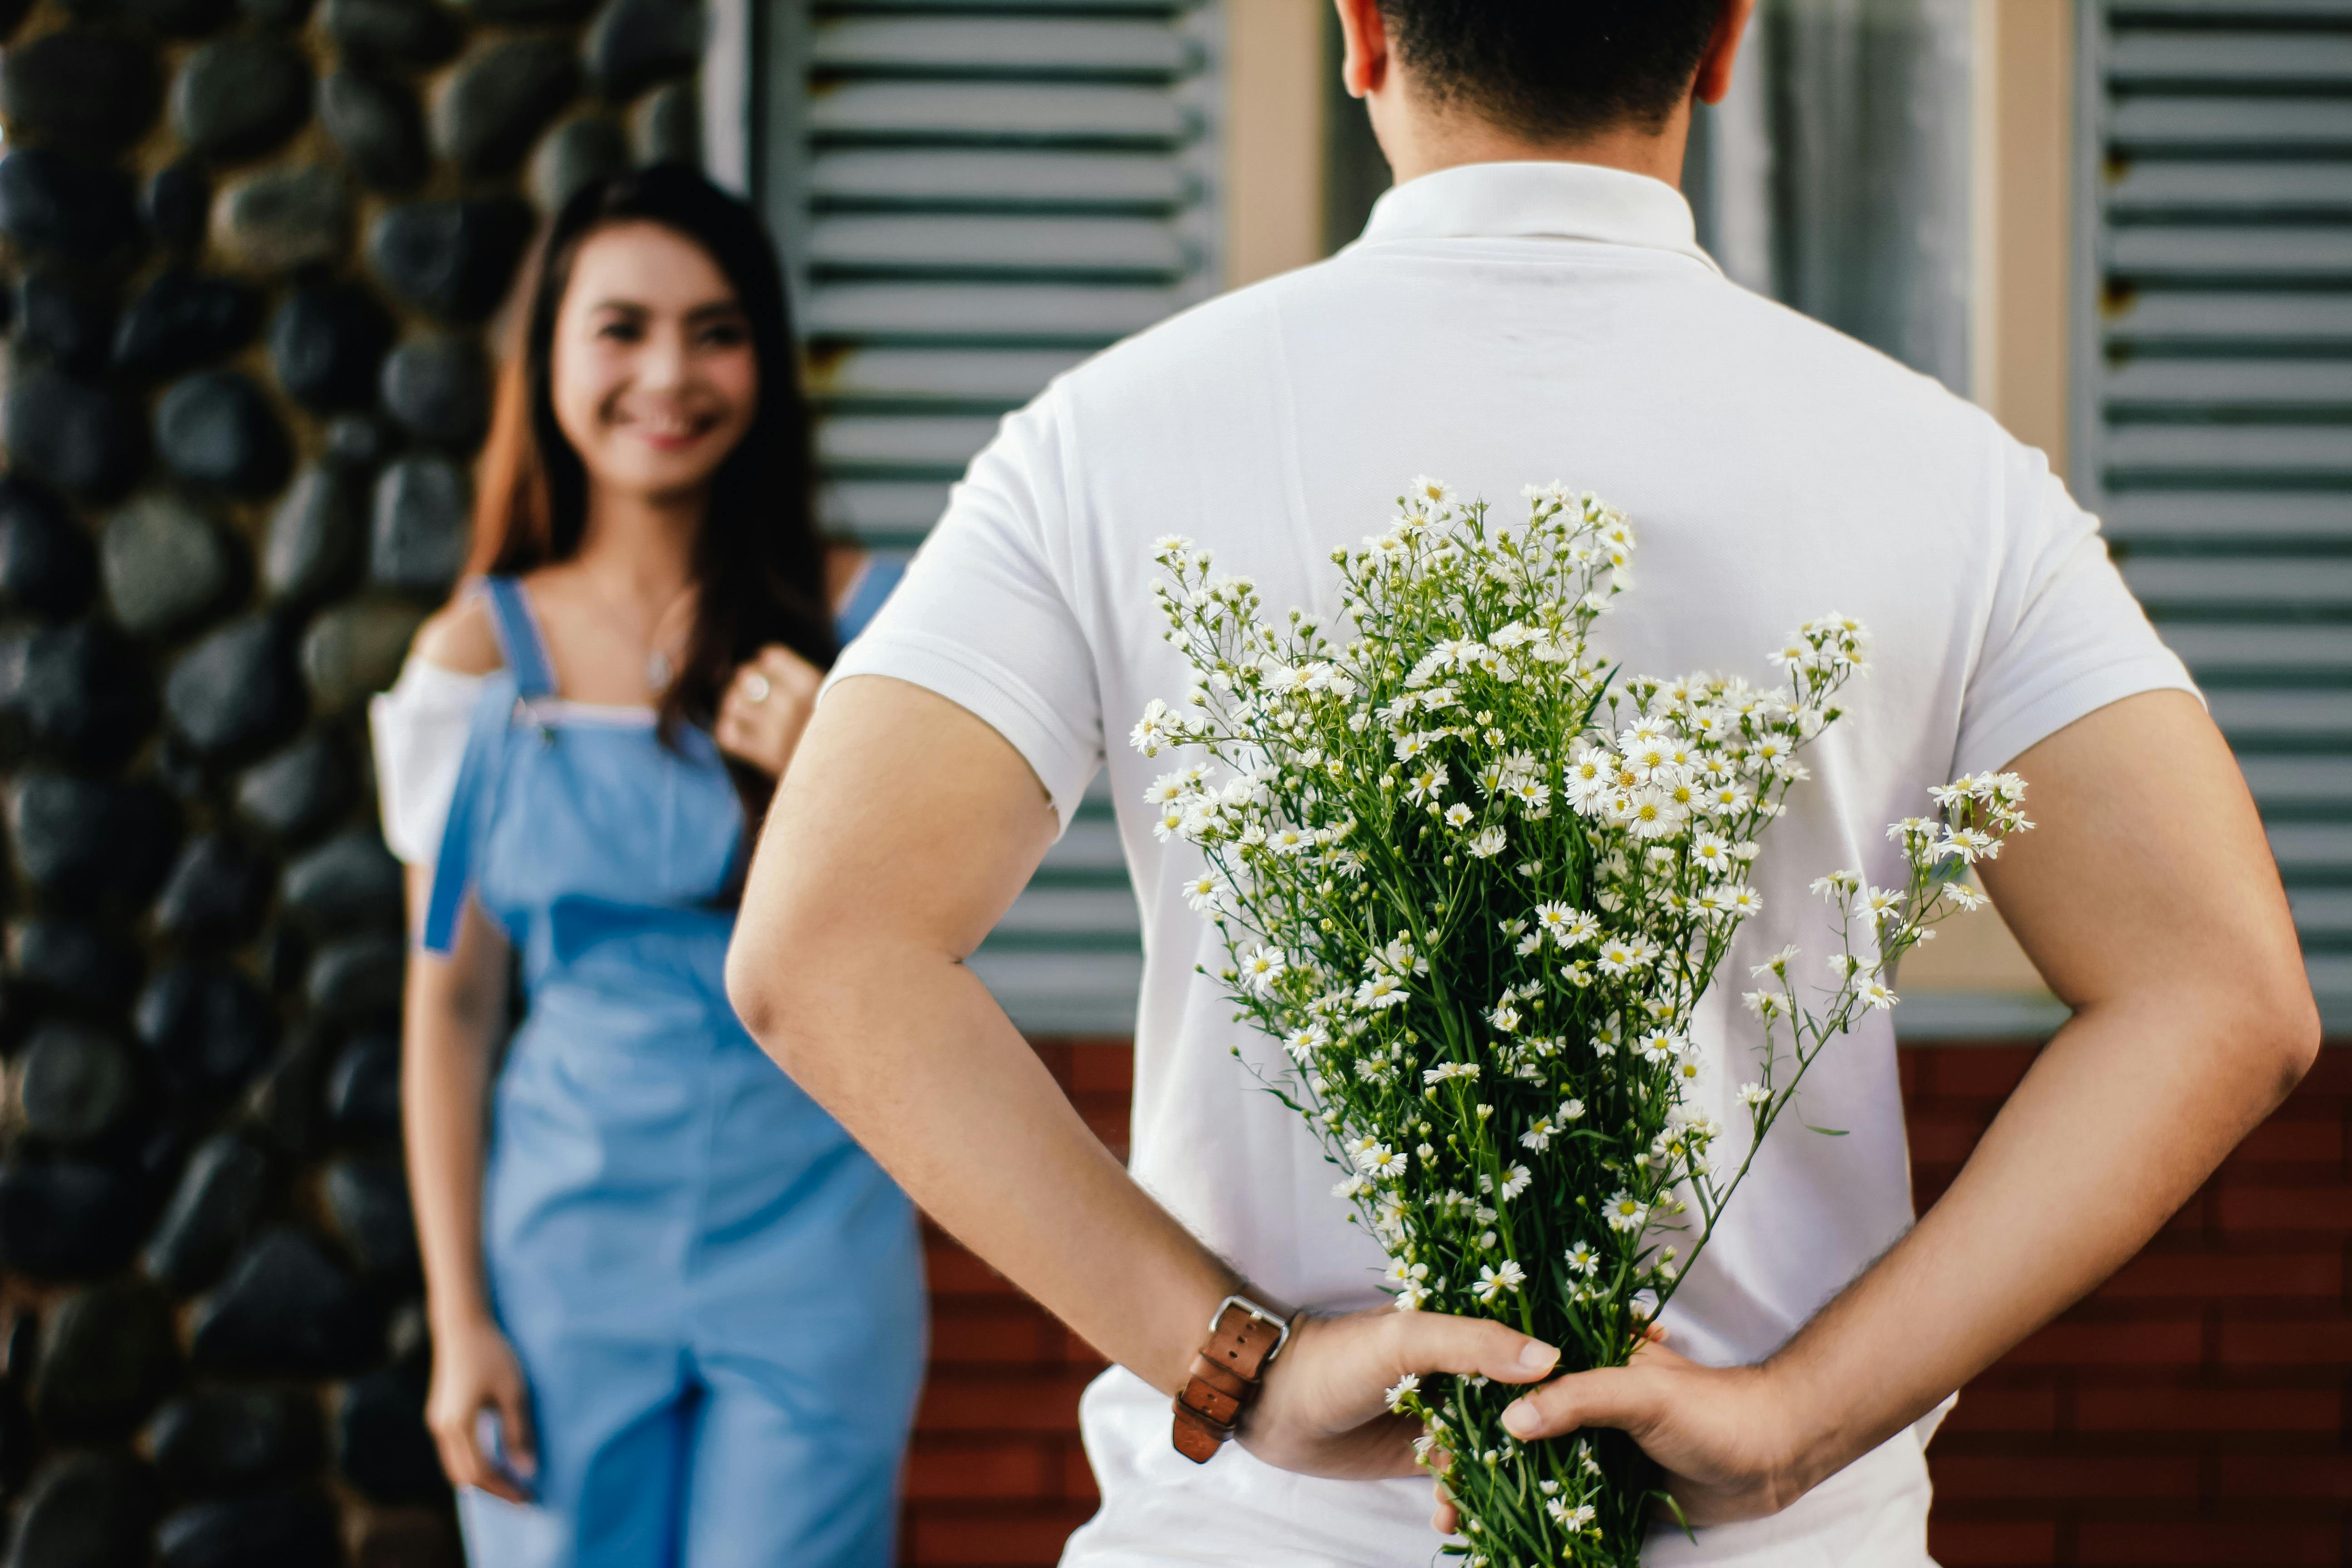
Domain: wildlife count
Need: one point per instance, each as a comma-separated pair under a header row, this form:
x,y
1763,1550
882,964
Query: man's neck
x,y
1427,142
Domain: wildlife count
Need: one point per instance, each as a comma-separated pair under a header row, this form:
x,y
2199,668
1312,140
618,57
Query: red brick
x,y
989,1540
2156,1342
2330,1076
2302,1209
1945,1135
2255,1537
1078,1476
1991,1543
2290,1137
1981,1072
999,1468
2209,1410
2005,1408
2287,1341
2078,1477
1103,1069
975,1402
2315,1275
2285,1478
964,1333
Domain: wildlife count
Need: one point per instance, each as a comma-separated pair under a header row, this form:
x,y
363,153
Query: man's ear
x,y
1714,78
1364,62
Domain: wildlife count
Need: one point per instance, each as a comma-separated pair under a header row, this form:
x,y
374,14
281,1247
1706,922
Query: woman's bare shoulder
x,y
460,637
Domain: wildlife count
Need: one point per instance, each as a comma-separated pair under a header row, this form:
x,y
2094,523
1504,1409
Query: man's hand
x,y
1324,1408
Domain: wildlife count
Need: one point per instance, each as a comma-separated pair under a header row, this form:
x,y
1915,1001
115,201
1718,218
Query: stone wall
x,y
249,249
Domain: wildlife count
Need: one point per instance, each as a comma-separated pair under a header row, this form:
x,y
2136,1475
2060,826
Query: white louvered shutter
x,y
2214,390
973,196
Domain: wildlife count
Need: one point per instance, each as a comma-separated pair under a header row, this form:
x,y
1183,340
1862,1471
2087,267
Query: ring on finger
x,y
756,687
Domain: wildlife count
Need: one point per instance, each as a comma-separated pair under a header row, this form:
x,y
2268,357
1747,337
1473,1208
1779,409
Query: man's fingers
x,y
1473,1347
1620,1396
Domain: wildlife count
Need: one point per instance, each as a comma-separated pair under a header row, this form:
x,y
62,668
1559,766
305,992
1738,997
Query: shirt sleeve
x,y
419,729
2065,637
984,616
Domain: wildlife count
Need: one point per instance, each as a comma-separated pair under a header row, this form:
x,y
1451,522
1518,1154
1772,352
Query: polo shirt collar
x,y
1543,199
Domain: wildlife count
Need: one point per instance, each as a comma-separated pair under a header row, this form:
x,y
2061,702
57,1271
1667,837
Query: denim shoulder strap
x,y
875,582
477,776
519,638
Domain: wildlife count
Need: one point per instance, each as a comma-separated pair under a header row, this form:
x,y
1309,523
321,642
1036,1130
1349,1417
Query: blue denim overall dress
x,y
716,1295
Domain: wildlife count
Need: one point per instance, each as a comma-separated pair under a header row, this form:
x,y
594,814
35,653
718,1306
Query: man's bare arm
x,y
2148,896
903,829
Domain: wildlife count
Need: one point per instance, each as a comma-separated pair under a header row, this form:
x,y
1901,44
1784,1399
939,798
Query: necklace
x,y
661,667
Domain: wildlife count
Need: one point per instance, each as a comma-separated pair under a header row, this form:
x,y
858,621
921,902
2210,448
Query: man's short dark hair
x,y
1554,71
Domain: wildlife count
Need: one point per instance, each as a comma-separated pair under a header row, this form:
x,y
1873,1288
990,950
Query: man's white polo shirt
x,y
1497,325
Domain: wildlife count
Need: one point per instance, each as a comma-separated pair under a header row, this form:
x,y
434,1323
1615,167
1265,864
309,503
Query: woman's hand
x,y
474,1370
764,708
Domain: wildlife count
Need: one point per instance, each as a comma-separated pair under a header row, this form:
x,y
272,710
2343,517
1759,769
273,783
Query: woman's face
x,y
652,372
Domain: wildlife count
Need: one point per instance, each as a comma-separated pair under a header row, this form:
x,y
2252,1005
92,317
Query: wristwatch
x,y
1243,1340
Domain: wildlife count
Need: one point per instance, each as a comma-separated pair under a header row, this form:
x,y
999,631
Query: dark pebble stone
x,y
67,1219
81,692
380,1442
287,1103
216,428
87,1511
91,841
581,149
280,220
367,1197
634,44
356,978
376,122
234,1439
52,201
216,892
76,959
363,1089
283,1530
419,533
505,13
64,316
438,385
405,32
178,204
317,536
109,1355
494,108
325,343
209,1027
237,692
454,258
241,96
75,1082
12,12
167,566
90,90
20,1443
360,442
349,883
356,650
287,1310
20,1349
286,15
48,565
73,434
670,126
171,18
285,957
182,320
212,1212
300,790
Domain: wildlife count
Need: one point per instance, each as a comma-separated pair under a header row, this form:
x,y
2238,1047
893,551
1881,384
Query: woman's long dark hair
x,y
758,566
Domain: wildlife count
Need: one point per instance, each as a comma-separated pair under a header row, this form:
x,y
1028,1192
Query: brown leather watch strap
x,y
1225,1376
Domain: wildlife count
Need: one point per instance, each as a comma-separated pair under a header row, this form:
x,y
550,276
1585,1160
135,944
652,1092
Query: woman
x,y
676,1313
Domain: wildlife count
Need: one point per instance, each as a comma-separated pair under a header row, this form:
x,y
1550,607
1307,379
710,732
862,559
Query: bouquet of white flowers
x,y
1476,885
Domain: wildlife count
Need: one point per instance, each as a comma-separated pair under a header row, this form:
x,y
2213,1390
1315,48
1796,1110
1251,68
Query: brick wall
x,y
2192,1412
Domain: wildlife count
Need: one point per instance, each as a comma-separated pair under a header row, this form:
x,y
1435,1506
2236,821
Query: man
x,y
1527,303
